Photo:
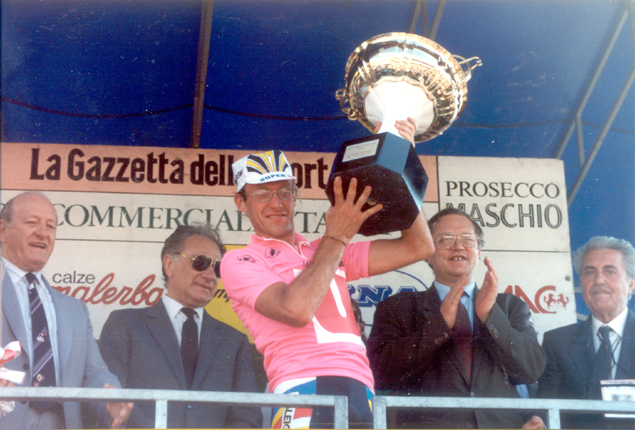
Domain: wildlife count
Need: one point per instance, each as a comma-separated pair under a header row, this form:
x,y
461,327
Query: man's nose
x,y
457,243
209,273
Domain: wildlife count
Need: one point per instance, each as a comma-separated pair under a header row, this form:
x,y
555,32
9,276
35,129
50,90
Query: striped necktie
x,y
43,372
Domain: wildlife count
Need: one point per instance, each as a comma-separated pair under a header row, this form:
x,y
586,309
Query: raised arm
x,y
296,303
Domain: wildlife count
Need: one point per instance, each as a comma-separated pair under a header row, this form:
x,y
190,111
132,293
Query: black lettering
x,y
186,216
94,173
493,186
484,189
548,219
163,161
506,187
522,215
224,219
211,173
153,216
196,170
67,215
54,170
518,192
307,174
557,192
305,219
475,214
126,216
75,152
488,211
122,170
173,218
539,215
297,172
321,169
461,206
110,163
151,162
94,212
464,187
531,190
321,222
221,174
504,218
450,185
177,174
35,159
137,169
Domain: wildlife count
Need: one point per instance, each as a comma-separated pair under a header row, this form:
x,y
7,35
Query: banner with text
x,y
117,205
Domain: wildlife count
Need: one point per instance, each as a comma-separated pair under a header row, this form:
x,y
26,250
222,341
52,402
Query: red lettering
x,y
107,294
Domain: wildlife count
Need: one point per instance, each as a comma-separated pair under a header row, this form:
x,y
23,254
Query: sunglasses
x,y
202,262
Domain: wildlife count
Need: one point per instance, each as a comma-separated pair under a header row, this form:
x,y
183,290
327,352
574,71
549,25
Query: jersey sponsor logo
x,y
272,252
246,259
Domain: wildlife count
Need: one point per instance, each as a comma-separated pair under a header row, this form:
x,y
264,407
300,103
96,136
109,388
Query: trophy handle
x,y
342,96
467,73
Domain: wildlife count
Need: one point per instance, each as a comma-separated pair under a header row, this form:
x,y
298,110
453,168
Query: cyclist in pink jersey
x,y
292,296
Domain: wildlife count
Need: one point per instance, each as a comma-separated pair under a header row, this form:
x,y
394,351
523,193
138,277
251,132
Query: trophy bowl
x,y
396,75
391,77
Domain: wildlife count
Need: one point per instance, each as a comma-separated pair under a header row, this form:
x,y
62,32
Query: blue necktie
x,y
43,372
602,363
463,338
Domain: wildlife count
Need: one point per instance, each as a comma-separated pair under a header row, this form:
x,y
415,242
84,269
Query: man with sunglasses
x,y
177,345
292,295
455,340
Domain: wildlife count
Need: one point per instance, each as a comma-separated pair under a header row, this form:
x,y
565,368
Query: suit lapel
x,y
581,350
13,314
431,305
208,348
162,329
64,325
627,352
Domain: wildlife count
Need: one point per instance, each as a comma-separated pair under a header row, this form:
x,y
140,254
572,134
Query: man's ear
x,y
630,288
168,265
239,199
3,231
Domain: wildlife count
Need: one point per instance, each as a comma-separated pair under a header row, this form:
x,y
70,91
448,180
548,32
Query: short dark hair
x,y
175,242
454,211
606,242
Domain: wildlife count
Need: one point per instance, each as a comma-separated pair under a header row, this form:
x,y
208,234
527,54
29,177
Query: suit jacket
x,y
141,348
570,354
80,364
412,352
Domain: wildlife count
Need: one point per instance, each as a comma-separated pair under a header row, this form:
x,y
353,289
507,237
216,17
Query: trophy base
x,y
390,165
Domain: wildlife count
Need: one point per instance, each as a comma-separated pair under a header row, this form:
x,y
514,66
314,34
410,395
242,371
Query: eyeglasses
x,y
263,195
447,241
200,263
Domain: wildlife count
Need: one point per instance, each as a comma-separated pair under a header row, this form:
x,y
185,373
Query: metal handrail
x,y
339,403
552,406
162,397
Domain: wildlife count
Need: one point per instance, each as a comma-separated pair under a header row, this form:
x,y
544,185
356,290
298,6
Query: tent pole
x,y
207,13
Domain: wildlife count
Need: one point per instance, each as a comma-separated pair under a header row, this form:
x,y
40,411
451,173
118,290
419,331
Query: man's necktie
x,y
602,363
43,372
463,338
189,346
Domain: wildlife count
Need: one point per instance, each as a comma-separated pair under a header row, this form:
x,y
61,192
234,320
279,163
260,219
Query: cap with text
x,y
261,168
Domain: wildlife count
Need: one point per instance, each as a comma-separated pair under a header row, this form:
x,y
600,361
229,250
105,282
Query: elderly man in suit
x,y
455,339
602,347
177,345
58,348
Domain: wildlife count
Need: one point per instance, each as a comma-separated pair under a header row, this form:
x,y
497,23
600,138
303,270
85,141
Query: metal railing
x,y
339,403
162,397
552,406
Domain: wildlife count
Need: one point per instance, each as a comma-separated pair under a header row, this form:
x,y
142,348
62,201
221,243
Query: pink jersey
x,y
330,345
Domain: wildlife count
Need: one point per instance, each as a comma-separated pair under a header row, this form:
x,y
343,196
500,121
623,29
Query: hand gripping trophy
x,y
391,77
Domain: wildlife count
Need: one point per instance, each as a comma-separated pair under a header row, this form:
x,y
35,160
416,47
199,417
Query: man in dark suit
x,y
455,339
577,356
177,345
58,348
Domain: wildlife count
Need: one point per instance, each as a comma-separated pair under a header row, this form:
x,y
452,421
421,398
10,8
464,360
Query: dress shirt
x,y
467,298
18,277
615,337
178,318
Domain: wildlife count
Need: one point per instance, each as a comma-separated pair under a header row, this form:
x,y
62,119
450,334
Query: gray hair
x,y
175,242
606,242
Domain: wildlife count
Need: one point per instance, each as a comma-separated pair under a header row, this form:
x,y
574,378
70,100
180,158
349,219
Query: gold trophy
x,y
392,77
